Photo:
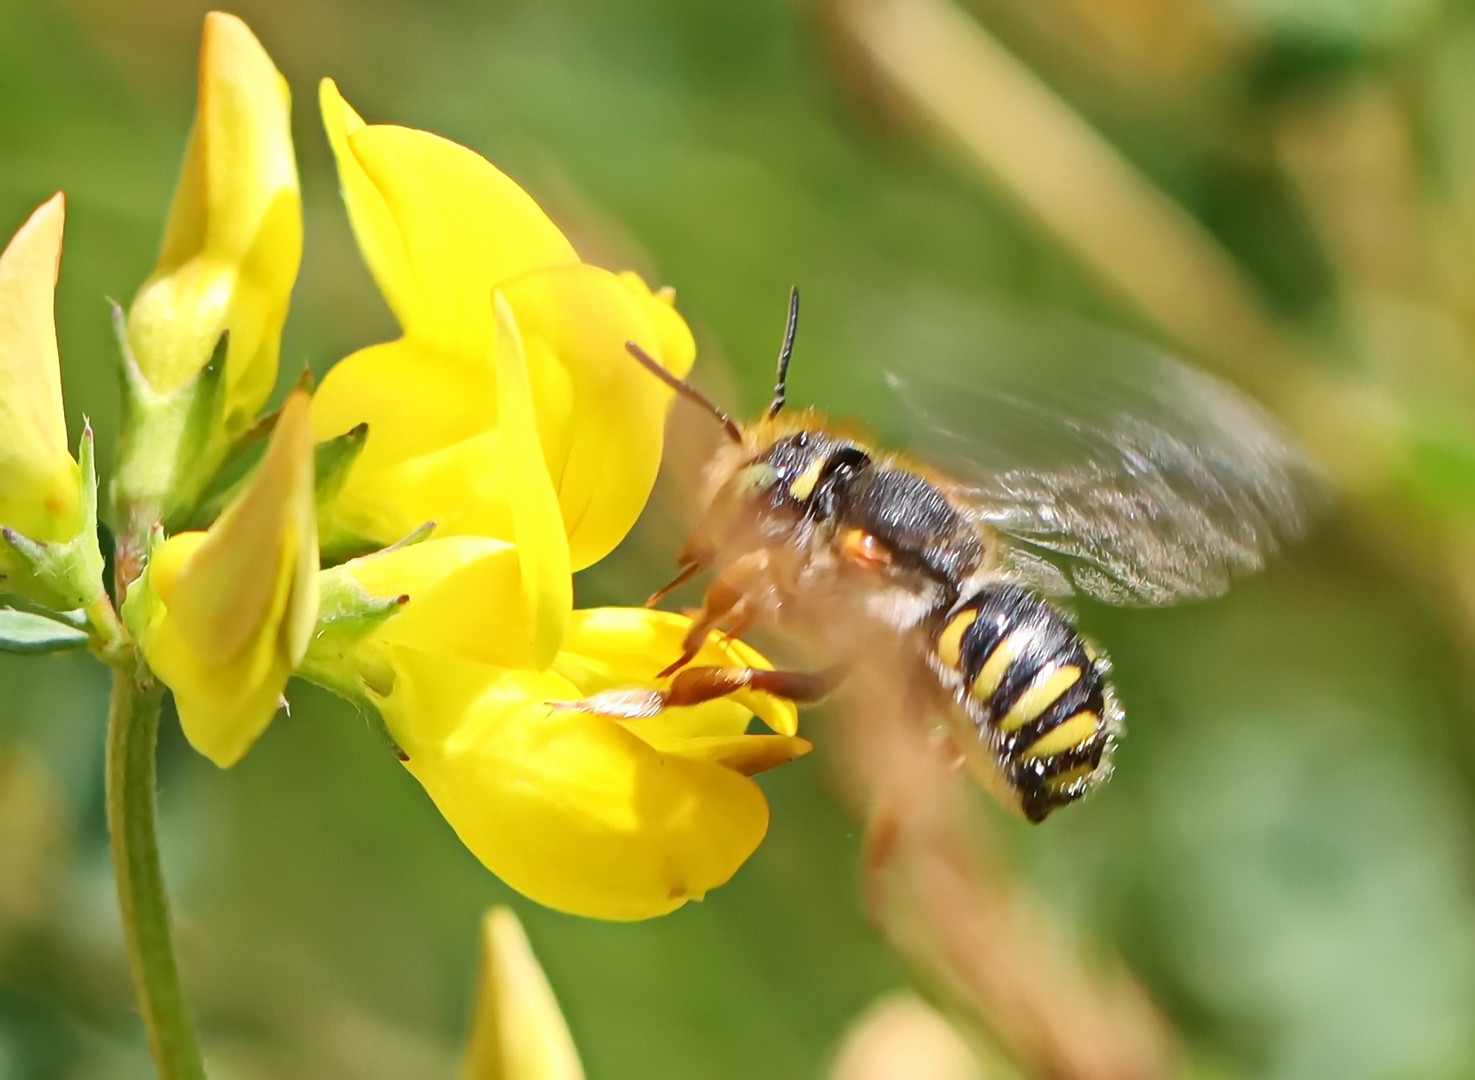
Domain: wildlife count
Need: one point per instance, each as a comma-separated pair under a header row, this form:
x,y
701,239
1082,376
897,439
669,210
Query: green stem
x,y
133,730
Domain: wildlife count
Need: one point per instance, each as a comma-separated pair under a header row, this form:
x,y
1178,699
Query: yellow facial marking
x,y
1069,735
950,641
1057,784
1042,693
803,485
988,678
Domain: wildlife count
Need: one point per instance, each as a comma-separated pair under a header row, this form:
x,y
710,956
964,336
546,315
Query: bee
x,y
877,561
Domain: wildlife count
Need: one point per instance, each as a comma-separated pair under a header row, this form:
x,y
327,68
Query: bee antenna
x,y
781,387
686,390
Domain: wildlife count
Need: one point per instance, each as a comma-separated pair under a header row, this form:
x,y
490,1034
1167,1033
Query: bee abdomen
x,y
1036,694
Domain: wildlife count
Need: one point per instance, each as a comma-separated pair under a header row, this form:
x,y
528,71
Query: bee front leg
x,y
697,685
725,601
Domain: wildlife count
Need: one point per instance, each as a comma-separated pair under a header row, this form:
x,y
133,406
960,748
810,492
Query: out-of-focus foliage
x,y
1284,854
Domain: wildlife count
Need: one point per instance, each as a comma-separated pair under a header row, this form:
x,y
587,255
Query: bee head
x,y
805,473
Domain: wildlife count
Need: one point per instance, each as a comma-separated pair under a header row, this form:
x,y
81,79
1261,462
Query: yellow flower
x,y
234,237
47,501
442,230
224,616
511,416
229,258
517,1030
618,820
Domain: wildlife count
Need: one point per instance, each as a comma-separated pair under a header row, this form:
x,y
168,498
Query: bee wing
x,y
1118,472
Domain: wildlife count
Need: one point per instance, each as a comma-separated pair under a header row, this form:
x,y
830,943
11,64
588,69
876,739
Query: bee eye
x,y
830,478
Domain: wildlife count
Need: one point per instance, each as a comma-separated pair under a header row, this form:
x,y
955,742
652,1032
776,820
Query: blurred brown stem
x,y
971,929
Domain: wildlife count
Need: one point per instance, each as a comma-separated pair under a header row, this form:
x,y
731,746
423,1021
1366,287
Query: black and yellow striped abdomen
x,y
1035,693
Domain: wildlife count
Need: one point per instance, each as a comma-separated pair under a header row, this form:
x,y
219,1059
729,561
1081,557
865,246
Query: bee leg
x,y
882,832
696,685
724,599
683,574
701,684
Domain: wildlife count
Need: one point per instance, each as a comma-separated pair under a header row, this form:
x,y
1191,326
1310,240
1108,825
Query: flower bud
x,y
517,1030
48,506
229,258
224,616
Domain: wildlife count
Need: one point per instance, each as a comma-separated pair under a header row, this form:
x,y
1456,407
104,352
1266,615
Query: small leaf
x,y
23,632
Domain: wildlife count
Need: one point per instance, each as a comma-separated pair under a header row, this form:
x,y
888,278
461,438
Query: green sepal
x,y
339,657
174,443
339,546
28,632
142,605
332,461
61,574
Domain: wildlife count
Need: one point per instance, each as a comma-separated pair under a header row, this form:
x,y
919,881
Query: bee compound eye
x,y
757,477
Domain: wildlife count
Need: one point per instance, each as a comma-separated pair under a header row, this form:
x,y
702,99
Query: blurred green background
x,y
1283,857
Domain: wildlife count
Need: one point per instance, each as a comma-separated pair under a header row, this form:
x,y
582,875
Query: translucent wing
x,y
1120,473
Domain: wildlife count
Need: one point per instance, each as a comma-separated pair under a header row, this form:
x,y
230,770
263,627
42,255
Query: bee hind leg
x,y
697,685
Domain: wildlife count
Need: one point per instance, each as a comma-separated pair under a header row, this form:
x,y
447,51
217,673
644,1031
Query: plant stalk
x,y
133,730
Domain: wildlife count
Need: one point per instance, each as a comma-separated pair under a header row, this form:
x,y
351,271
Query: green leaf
x,y
23,632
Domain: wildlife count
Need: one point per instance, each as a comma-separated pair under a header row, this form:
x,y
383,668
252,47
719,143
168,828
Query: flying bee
x,y
1165,488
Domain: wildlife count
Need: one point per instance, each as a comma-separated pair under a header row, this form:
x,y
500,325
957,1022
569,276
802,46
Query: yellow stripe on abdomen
x,y
1058,784
1067,735
950,641
987,681
1042,693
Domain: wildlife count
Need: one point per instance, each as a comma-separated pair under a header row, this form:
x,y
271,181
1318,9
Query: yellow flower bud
x,y
40,485
228,261
48,502
224,616
234,237
443,231
517,1030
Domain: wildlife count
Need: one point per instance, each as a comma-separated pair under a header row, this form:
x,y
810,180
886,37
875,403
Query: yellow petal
x,y
678,349
463,598
607,648
568,808
517,1030
542,548
442,229
416,399
439,225
747,754
373,225
224,616
601,416
430,455
40,486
